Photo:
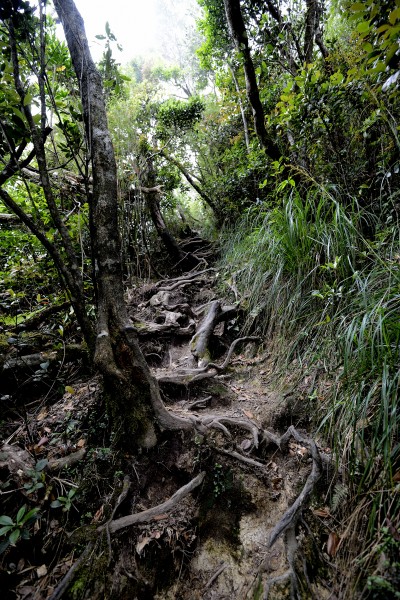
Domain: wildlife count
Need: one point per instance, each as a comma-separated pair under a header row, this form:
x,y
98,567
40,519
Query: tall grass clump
x,y
309,280
364,420
289,265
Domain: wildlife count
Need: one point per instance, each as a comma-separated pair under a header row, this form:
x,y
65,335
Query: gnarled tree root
x,y
154,513
112,526
287,524
293,513
186,377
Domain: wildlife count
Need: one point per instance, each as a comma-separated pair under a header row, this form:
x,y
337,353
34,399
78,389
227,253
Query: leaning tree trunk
x,y
182,260
238,31
133,395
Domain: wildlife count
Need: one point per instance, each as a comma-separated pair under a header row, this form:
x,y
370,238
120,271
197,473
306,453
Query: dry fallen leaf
x,y
246,444
21,564
277,482
42,415
160,517
323,512
81,443
332,543
25,591
41,571
42,441
396,477
140,545
98,515
248,414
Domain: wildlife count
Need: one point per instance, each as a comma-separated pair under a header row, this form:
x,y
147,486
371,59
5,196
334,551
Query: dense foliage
x,y
309,207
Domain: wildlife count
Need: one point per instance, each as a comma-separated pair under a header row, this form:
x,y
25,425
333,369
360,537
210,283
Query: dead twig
x,y
214,577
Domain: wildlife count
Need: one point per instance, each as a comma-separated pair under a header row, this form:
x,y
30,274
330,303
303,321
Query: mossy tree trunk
x,y
133,394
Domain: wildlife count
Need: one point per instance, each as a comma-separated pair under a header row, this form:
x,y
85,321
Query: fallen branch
x,y
152,514
67,461
37,318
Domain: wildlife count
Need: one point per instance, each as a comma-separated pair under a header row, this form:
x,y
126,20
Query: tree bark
x,y
310,28
182,260
134,399
238,31
242,112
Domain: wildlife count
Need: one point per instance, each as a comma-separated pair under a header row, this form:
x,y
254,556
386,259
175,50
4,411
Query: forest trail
x,y
213,543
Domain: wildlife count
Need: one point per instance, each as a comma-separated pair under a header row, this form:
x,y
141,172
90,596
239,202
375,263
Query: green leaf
x,y
391,52
380,67
41,464
100,37
17,112
394,16
6,520
55,504
6,529
14,536
357,7
4,545
28,99
21,513
30,516
363,27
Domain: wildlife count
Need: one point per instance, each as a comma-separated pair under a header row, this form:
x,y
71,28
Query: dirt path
x,y
215,543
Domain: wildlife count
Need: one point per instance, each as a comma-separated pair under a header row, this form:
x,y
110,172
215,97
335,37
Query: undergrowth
x,y
308,279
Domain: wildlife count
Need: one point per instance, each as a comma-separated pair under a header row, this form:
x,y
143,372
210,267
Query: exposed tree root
x,y
287,524
199,342
187,278
67,579
112,526
245,459
145,329
293,513
156,512
187,376
214,577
